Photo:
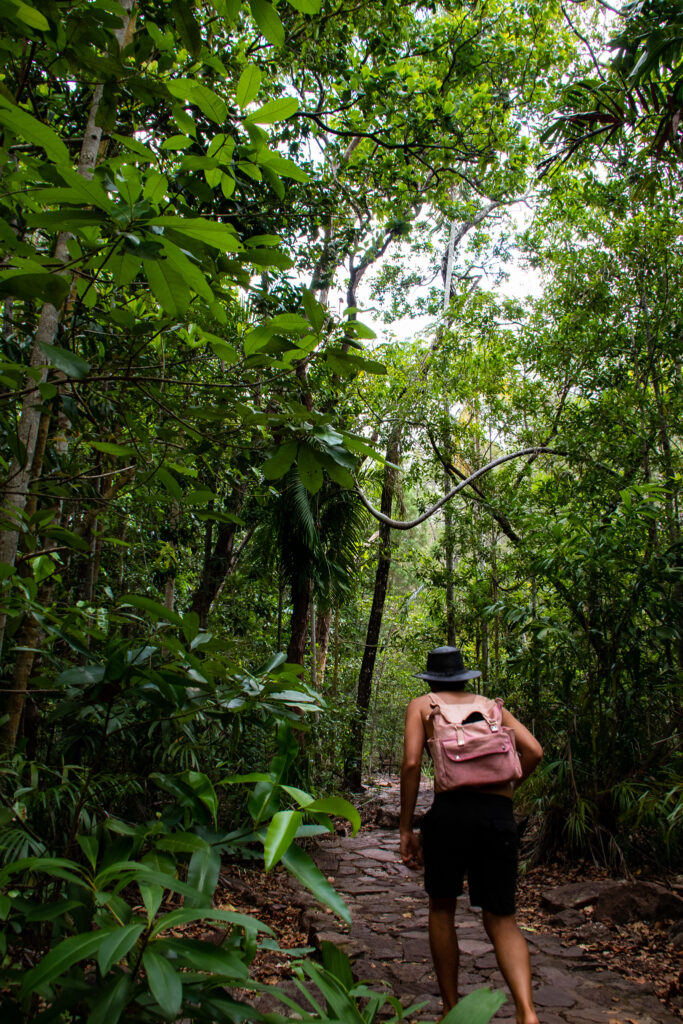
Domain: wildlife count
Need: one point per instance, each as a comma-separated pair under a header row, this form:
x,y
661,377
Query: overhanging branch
x,y
398,524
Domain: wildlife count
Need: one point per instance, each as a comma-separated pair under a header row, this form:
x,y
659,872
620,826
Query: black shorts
x,y
467,831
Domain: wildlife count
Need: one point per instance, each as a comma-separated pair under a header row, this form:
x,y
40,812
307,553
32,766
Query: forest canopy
x,y
276,279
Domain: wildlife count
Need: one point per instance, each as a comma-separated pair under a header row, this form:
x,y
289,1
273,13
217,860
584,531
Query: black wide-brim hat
x,y
445,665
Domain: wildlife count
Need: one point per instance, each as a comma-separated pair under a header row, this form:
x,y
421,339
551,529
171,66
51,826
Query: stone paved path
x,y
388,940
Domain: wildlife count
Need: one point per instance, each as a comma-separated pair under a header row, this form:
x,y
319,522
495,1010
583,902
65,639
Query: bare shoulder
x,y
419,703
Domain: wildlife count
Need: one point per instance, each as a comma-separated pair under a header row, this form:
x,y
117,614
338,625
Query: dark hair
x,y
456,686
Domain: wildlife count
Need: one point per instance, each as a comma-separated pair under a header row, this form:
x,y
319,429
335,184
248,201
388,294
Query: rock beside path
x,y
615,901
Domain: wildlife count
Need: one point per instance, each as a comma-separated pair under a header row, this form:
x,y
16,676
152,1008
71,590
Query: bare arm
x,y
411,768
529,749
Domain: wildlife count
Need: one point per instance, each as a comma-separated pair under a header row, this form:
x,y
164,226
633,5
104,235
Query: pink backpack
x,y
480,753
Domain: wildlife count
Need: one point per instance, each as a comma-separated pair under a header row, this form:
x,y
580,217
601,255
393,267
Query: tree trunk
x,y
354,760
314,649
218,563
322,631
449,546
22,468
301,604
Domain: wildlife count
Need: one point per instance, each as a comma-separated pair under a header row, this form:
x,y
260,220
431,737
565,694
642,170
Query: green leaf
x,y
35,287
264,800
359,329
268,21
135,146
185,915
154,608
168,286
248,85
202,874
117,945
476,1008
337,806
30,16
211,105
345,364
204,956
170,483
181,842
90,848
337,963
289,323
281,831
278,464
219,236
267,258
315,312
62,957
305,6
312,878
111,1002
69,363
309,468
109,448
188,29
203,789
287,168
164,983
274,110
21,123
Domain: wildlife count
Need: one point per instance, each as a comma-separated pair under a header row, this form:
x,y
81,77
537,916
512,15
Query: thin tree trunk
x,y
449,545
322,632
22,469
218,562
314,649
335,668
354,760
301,603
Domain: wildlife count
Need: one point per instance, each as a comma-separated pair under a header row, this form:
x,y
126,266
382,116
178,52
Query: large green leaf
x,y
35,287
188,28
268,21
310,876
211,105
274,110
281,831
21,123
337,806
248,85
264,800
306,6
204,956
62,957
111,1001
211,232
309,468
68,362
117,945
164,982
168,286
202,874
337,963
278,464
202,787
476,1008
154,608
188,914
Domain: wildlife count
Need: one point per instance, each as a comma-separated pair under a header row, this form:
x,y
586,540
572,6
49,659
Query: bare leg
x,y
443,943
512,954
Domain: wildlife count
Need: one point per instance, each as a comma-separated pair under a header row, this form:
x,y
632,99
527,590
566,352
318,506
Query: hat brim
x,y
434,677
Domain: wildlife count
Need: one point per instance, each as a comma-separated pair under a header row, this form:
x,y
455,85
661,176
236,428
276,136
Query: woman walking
x,y
469,829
